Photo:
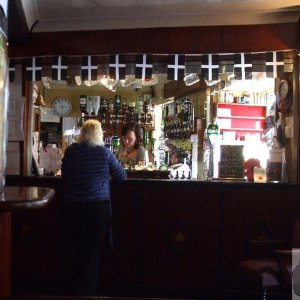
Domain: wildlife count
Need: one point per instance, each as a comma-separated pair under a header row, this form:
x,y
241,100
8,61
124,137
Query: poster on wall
x,y
48,116
15,118
13,158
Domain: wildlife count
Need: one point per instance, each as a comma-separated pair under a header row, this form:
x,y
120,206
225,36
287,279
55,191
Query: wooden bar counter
x,y
12,200
183,238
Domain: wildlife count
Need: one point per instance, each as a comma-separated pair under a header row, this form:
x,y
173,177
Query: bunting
x,y
74,66
89,68
192,64
226,63
143,67
274,64
34,69
103,65
210,67
242,66
160,64
175,66
117,67
258,61
59,68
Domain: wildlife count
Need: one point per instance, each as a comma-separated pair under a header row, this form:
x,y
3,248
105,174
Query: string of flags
x,y
143,66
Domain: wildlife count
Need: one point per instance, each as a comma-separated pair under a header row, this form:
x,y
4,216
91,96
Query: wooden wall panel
x,y
179,238
170,236
252,38
5,254
179,40
260,214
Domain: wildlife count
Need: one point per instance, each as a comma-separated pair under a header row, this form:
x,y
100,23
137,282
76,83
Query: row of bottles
x,y
115,111
178,119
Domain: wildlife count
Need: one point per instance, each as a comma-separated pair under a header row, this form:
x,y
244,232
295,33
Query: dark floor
x,y
23,291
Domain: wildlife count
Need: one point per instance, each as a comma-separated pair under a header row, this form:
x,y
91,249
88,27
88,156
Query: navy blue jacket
x,y
86,171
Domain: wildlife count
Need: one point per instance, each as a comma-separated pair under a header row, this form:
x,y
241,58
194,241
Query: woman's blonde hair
x,y
91,133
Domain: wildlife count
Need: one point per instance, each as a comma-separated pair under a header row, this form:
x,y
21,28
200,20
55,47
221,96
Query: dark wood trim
x,y
5,254
18,31
146,220
185,40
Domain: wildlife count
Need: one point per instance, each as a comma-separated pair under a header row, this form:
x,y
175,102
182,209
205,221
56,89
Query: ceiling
x,y
73,15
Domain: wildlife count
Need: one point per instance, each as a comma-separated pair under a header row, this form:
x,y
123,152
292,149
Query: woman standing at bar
x,y
132,145
86,169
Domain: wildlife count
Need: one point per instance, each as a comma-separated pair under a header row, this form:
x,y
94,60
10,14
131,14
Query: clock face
x,y
283,98
61,107
283,89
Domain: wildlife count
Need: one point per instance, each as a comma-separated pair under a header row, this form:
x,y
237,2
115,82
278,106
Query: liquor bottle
x,y
103,105
131,106
81,119
111,106
89,105
213,132
124,110
117,103
146,106
139,105
83,103
146,138
111,111
96,104
187,107
115,144
103,109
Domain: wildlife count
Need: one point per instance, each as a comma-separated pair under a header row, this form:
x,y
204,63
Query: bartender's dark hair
x,y
137,129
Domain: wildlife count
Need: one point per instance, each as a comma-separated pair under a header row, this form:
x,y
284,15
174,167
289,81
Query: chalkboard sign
x,y
232,153
231,161
231,170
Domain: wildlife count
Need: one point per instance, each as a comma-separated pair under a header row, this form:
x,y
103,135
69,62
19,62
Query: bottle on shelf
x,y
131,106
146,138
124,110
118,106
139,108
82,103
131,109
89,105
81,119
115,144
103,109
146,109
111,106
96,104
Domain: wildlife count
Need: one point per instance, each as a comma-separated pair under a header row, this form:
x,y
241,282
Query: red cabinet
x,y
240,121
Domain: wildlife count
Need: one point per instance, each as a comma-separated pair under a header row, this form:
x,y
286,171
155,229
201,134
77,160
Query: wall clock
x,y
284,99
61,107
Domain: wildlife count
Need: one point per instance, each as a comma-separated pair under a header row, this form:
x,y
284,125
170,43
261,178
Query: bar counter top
x,y
20,198
10,179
